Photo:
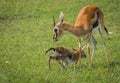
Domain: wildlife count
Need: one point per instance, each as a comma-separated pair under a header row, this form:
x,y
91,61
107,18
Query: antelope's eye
x,y
56,30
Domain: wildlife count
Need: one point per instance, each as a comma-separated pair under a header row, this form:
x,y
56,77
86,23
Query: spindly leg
x,y
49,59
94,42
104,45
61,63
89,57
79,58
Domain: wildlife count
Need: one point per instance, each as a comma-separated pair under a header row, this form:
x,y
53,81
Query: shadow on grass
x,y
113,64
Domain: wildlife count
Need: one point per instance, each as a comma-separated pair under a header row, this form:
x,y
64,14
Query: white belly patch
x,y
95,29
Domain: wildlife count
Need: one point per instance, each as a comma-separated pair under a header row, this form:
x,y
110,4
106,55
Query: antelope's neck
x,y
75,30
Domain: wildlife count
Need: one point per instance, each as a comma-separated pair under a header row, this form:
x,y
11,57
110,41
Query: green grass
x,y
26,30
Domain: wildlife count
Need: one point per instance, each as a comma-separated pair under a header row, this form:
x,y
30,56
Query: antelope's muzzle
x,y
55,37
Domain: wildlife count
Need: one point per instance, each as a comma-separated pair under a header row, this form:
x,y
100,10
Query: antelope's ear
x,y
61,17
54,21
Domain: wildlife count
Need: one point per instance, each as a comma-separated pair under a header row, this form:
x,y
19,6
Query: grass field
x,y
26,30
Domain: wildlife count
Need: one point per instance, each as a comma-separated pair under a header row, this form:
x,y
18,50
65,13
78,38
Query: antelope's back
x,y
86,14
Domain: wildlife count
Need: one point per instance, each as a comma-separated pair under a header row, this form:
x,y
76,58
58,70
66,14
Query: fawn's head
x,y
77,52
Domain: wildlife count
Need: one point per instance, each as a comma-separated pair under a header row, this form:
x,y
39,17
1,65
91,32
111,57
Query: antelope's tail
x,y
106,30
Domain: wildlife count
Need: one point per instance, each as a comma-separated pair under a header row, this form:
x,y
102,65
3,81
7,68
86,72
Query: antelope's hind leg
x,y
94,42
61,63
104,45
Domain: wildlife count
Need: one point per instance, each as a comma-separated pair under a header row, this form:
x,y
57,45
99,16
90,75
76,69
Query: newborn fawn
x,y
64,56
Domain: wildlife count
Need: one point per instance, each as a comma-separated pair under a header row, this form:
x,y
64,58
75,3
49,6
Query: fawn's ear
x,y
61,17
74,49
83,47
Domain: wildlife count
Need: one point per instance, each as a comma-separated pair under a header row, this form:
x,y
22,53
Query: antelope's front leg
x,y
49,59
89,57
79,57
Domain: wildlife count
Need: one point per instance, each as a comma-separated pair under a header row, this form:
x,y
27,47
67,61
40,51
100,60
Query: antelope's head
x,y
58,31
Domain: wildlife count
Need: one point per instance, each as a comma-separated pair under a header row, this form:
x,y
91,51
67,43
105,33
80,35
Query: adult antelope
x,y
89,20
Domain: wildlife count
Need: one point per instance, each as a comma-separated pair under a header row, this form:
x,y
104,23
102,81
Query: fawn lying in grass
x,y
64,56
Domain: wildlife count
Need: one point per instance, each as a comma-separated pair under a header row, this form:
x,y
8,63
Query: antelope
x,y
64,56
89,20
